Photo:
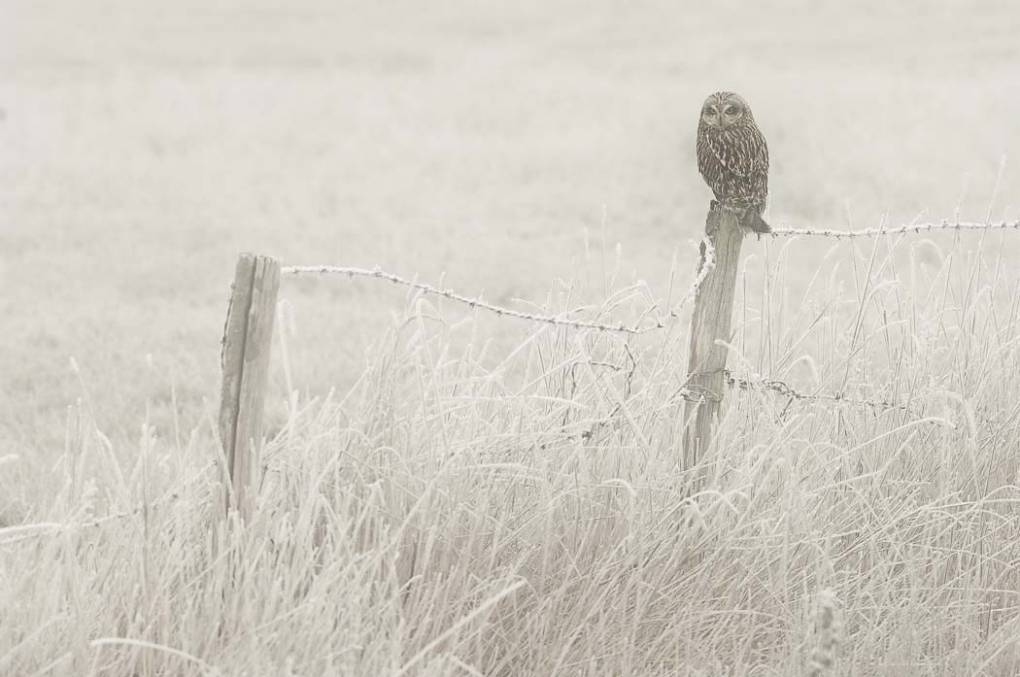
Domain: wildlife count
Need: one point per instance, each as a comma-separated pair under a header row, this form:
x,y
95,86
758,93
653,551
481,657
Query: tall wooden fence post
x,y
713,313
247,338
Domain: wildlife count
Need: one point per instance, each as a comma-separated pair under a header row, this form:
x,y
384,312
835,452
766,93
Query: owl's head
x,y
725,109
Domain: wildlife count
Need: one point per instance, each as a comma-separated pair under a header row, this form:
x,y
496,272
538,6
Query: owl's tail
x,y
754,222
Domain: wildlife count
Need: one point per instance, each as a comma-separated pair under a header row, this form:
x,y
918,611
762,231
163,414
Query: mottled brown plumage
x,y
734,158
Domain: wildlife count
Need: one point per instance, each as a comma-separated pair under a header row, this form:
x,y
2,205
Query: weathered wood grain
x,y
711,320
247,340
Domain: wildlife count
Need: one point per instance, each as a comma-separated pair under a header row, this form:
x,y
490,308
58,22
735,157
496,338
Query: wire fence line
x,y
708,263
758,382
910,229
472,302
749,382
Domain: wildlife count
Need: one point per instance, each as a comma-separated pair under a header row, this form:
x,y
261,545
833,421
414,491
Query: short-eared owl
x,y
733,157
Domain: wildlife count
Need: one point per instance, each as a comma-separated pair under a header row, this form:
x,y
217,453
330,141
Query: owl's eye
x,y
732,110
708,111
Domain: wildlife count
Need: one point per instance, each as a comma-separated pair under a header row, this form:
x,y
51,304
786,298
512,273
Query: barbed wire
x,y
916,228
707,264
24,532
757,382
469,301
784,389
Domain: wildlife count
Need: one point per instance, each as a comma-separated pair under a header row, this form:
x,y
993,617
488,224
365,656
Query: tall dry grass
x,y
466,510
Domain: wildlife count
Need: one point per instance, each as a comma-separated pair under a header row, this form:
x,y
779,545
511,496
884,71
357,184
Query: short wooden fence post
x,y
711,320
247,338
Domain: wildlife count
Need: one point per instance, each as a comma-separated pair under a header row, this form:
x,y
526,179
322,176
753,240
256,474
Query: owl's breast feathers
x,y
735,163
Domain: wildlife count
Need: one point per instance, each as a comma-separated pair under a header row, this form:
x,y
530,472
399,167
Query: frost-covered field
x,y
481,496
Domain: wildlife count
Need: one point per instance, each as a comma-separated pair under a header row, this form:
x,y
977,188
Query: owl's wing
x,y
741,151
